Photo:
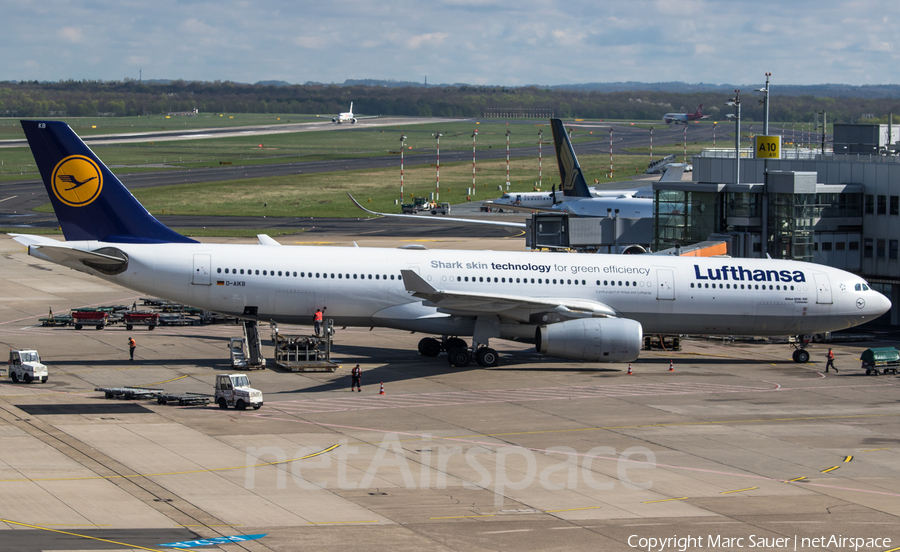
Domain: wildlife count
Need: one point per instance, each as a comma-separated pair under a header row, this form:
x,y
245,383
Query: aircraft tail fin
x,y
89,201
571,177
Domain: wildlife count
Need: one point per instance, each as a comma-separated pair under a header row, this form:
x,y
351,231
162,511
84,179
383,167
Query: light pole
x,y
402,147
651,145
765,102
714,133
735,102
437,186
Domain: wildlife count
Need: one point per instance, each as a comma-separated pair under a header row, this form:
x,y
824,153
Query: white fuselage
x,y
363,286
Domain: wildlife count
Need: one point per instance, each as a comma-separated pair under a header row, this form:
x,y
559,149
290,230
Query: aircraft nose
x,y
884,304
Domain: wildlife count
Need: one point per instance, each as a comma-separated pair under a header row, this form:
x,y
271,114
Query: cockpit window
x,y
865,287
857,287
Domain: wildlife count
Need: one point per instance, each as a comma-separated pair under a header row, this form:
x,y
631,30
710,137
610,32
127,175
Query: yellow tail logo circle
x,y
77,181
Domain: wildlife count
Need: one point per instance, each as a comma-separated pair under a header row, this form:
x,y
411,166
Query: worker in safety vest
x,y
830,363
317,322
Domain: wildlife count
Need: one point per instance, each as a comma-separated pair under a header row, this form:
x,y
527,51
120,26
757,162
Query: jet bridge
x,y
589,234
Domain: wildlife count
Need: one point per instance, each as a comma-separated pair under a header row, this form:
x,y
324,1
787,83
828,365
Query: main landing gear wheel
x,y
459,357
454,343
429,347
486,357
801,356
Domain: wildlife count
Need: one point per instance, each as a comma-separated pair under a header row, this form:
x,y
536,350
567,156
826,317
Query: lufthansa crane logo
x,y
77,181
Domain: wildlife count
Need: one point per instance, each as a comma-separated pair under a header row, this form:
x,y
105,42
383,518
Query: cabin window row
x,y
776,287
288,273
543,281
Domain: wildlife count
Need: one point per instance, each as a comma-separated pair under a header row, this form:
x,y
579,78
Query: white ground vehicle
x,y
234,390
25,365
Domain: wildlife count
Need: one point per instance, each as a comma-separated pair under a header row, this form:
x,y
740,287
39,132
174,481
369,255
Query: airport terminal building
x,y
837,209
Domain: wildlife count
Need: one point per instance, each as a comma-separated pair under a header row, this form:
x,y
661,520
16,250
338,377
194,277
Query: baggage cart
x,y
885,359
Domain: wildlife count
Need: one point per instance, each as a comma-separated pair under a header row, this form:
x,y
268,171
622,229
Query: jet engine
x,y
334,119
598,339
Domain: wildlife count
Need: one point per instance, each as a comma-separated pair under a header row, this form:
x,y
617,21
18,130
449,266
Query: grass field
x,y
325,194
18,163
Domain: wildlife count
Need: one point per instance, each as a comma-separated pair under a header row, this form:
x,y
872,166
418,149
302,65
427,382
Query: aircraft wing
x,y
516,307
441,218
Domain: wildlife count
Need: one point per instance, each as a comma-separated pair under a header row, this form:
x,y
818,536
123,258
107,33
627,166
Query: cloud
x,y
71,34
429,39
476,41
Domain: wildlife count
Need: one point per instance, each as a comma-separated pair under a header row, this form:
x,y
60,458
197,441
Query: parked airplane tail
x,y
573,183
89,201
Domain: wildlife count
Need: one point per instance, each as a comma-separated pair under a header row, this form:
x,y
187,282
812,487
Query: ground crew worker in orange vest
x,y
356,379
131,346
317,322
830,357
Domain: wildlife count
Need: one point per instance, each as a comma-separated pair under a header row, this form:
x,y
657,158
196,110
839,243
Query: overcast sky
x,y
499,42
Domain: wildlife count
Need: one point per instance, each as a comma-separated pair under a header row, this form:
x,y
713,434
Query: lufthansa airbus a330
x,y
590,307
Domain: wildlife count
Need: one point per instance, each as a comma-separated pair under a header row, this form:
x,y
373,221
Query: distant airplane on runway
x,y
349,117
684,118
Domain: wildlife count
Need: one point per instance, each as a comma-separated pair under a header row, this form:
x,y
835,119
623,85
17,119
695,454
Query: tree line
x,y
131,97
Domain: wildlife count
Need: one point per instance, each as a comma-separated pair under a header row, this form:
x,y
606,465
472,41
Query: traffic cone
x,y
629,369
671,365
382,389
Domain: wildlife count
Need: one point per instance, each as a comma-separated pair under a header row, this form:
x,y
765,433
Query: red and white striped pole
x,y
507,157
437,194
610,152
714,134
474,134
651,145
540,156
685,143
402,147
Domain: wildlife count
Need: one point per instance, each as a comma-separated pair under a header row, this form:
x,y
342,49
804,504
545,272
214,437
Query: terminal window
x,y
868,247
893,247
870,204
879,249
882,205
895,205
